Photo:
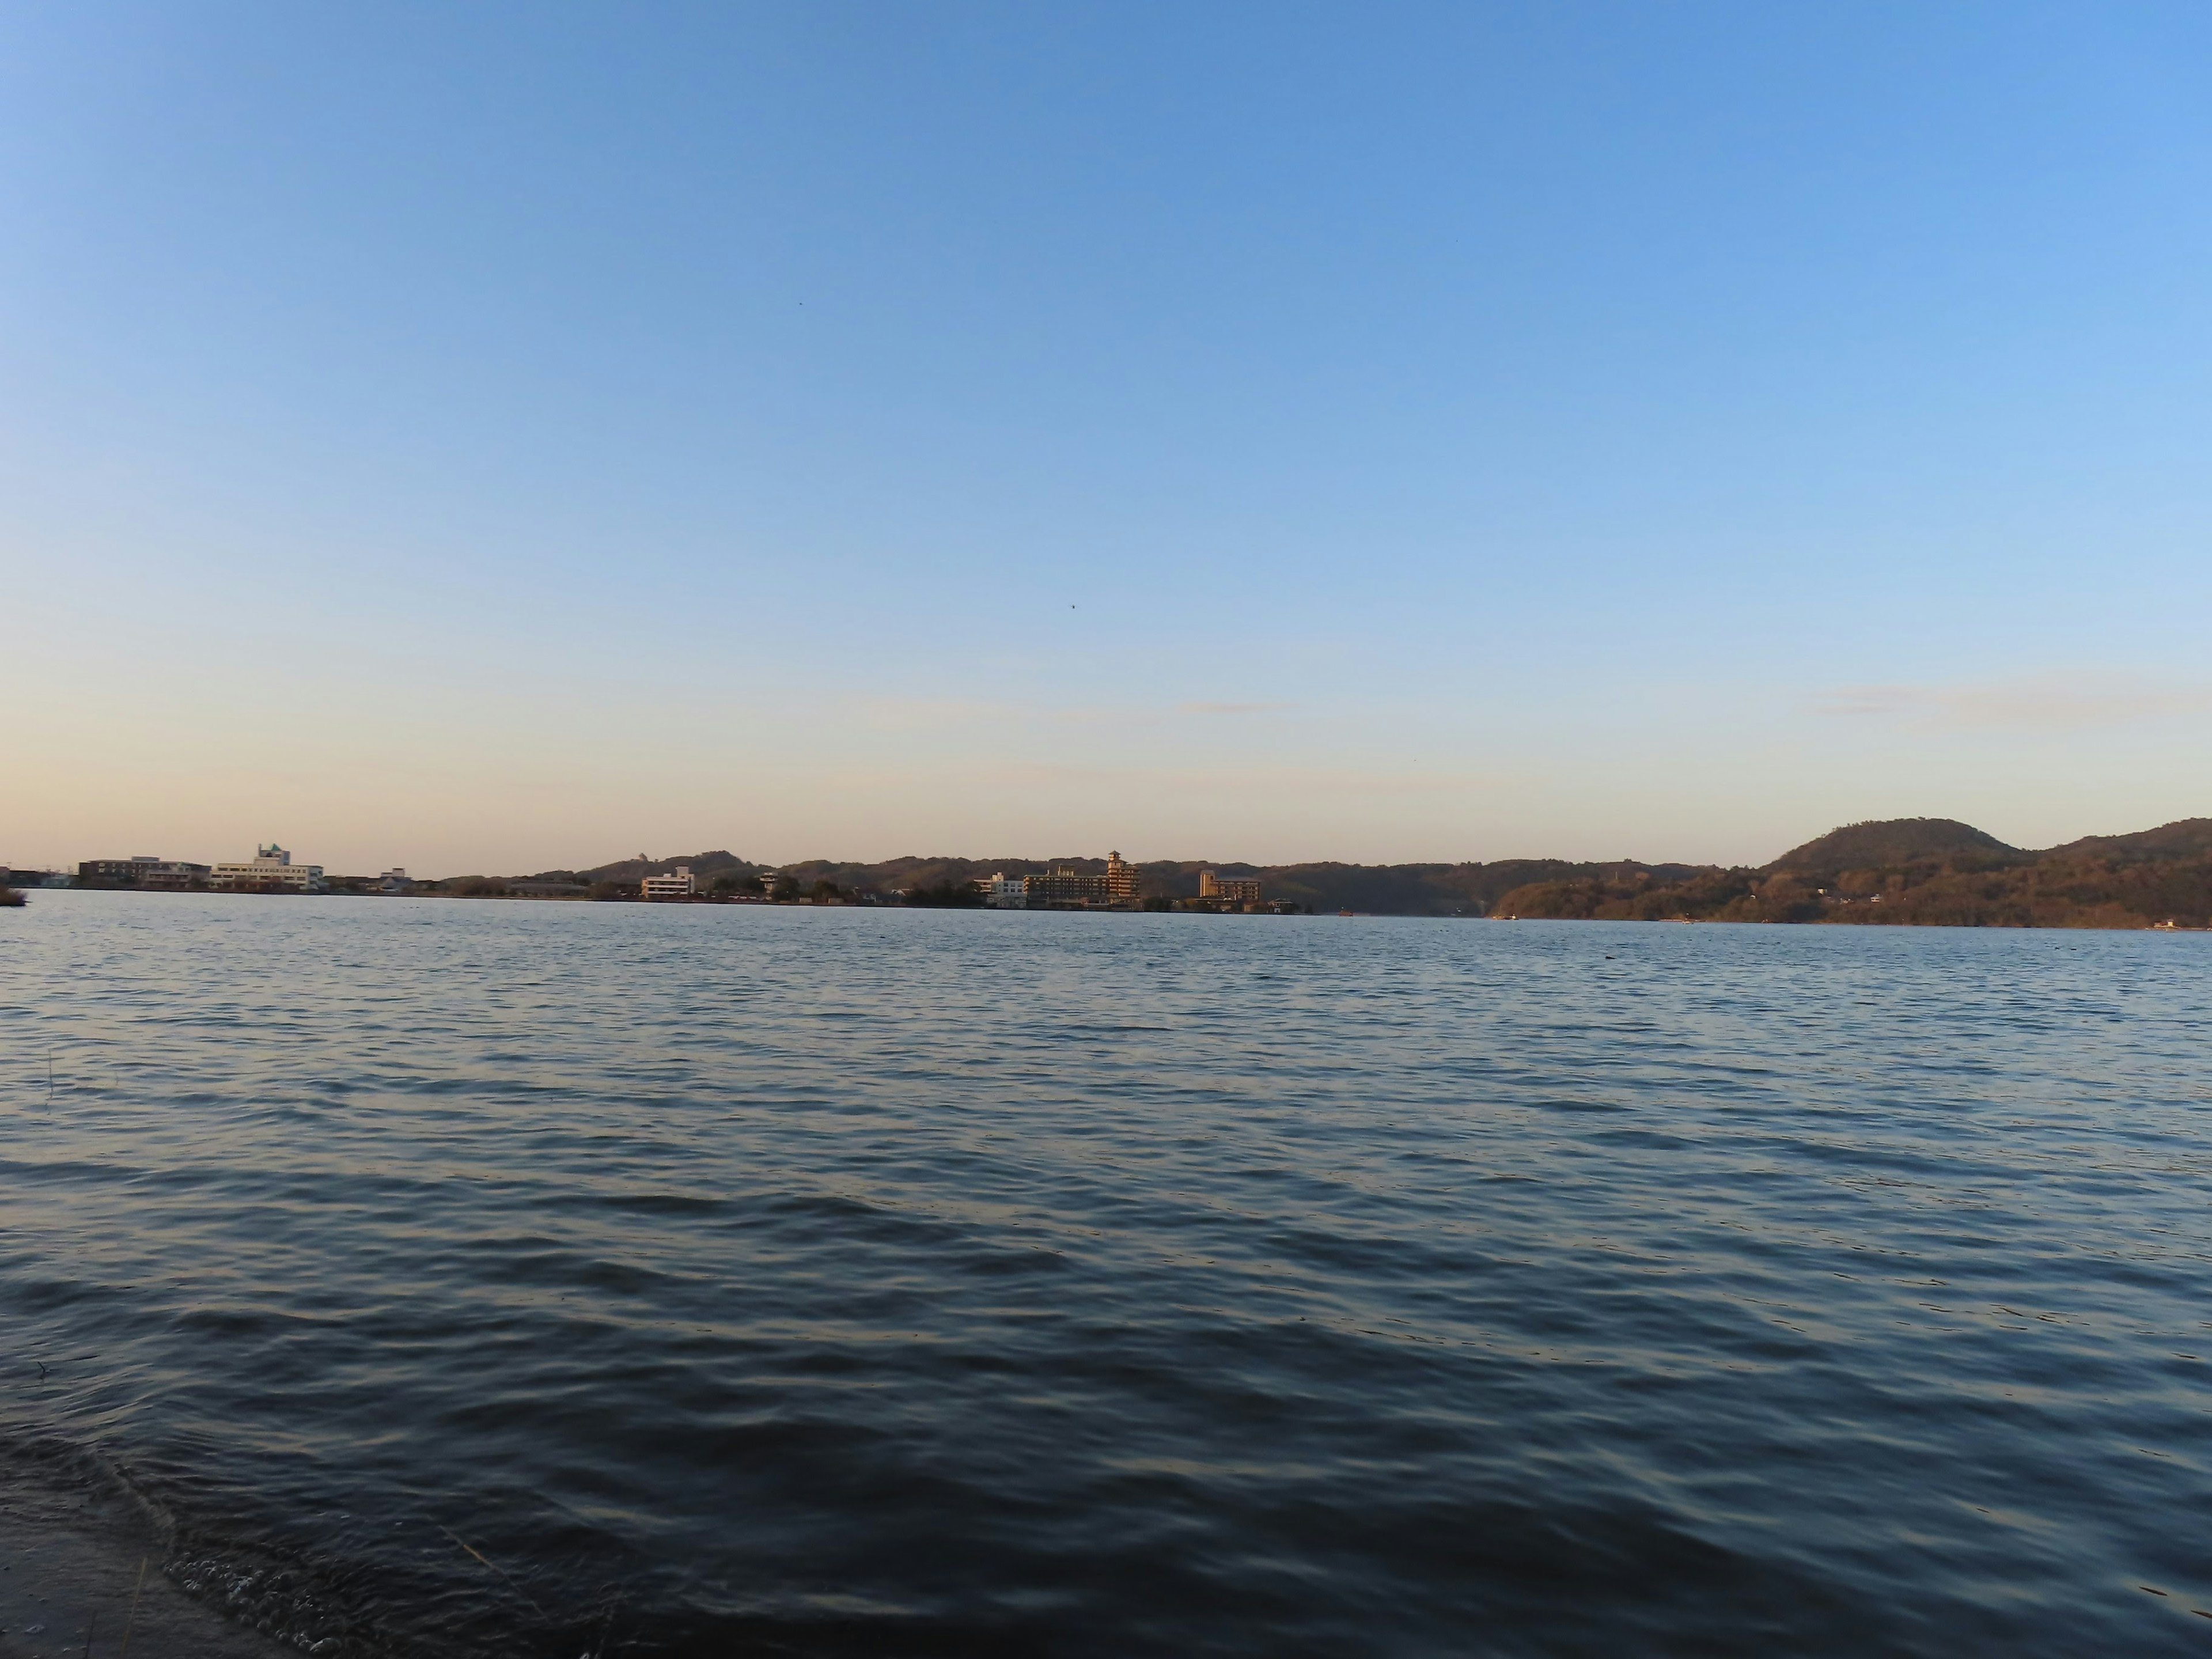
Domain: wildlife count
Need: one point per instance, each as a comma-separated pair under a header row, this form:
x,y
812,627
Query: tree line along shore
x,y
1907,871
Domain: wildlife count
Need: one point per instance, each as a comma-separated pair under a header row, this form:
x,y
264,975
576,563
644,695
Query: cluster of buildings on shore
x,y
270,870
1065,888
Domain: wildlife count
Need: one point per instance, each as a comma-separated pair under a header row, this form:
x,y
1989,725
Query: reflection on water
x,y
482,1278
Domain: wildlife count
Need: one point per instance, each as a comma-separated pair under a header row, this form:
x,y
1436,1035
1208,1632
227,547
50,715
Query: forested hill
x,y
1924,871
1896,843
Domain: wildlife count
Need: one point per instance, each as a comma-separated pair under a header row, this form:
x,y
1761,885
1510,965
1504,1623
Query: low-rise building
x,y
270,870
390,882
678,885
175,875
1004,892
142,870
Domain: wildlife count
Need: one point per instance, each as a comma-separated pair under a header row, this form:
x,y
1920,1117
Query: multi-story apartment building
x,y
143,870
1230,889
1061,888
1062,885
270,870
1004,892
1121,879
679,885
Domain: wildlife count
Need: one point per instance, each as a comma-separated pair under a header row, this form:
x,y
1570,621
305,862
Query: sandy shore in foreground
x,y
70,1560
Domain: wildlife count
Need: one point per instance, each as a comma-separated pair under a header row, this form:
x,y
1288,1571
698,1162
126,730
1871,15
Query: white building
x,y
1005,892
679,885
394,880
271,870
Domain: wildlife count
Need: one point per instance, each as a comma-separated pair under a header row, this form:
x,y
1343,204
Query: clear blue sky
x,y
505,437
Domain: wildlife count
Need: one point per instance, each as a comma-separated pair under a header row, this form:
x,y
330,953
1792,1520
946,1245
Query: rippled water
x,y
470,1276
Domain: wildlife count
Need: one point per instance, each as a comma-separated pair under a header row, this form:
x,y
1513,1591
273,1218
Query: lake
x,y
466,1279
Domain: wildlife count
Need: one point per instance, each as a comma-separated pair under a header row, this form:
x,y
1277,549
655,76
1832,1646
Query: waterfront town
x,y
1118,885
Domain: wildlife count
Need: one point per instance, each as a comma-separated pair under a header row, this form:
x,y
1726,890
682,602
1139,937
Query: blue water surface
x,y
473,1277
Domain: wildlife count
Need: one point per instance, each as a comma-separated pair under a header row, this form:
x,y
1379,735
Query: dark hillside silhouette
x,y
1886,844
2184,838
1924,872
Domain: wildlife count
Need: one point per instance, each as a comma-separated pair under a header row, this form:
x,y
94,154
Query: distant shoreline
x,y
1897,872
